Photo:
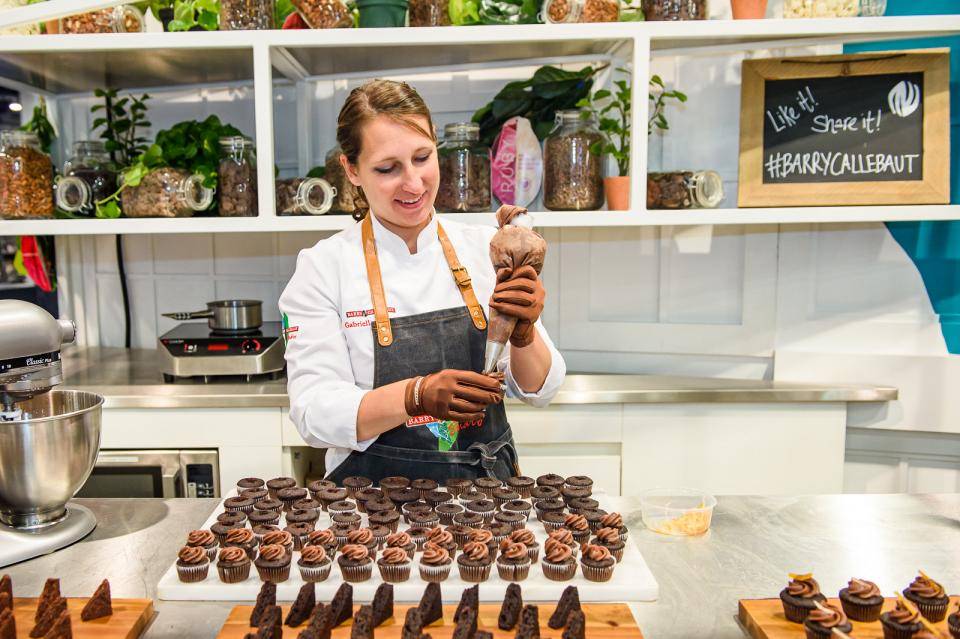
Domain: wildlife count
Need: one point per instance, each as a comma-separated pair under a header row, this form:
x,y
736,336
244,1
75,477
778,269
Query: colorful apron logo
x,y
444,430
289,332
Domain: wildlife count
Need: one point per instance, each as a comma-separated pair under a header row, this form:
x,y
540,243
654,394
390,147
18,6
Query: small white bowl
x,y
677,511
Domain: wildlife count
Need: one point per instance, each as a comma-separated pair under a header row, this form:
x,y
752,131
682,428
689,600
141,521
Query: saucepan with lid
x,y
227,315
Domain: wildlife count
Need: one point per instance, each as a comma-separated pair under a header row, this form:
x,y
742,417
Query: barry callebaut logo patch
x,y
444,430
289,332
358,318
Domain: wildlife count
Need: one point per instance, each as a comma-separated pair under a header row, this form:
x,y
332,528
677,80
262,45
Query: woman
x,y
386,322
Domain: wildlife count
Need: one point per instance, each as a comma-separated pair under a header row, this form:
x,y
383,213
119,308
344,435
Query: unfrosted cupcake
x,y
307,516
288,496
250,483
264,517
513,562
529,540
243,504
461,534
800,597
558,563
486,508
548,506
394,564
498,529
521,506
822,621
447,511
278,483
356,483
192,564
206,540
402,540
355,563
522,485
233,566
273,564
861,600
318,486
475,562
597,563
487,485
502,495
314,564
299,532
260,530
457,485
256,494
424,486
553,520
393,483
539,493
435,563
929,597
232,517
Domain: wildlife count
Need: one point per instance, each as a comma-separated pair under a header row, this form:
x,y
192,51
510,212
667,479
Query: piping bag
x,y
516,244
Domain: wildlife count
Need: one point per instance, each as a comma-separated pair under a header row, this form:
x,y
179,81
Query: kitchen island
x,y
752,545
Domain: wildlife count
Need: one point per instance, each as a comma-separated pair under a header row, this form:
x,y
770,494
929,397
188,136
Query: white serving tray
x,y
632,579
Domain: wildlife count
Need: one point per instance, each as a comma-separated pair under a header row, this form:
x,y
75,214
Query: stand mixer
x,y
49,438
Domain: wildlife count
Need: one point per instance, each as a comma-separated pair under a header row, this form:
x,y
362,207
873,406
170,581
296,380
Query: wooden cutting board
x,y
763,619
129,618
604,621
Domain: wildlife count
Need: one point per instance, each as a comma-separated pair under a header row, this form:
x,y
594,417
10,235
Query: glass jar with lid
x,y
124,18
23,29
429,13
324,14
348,199
873,8
675,9
464,170
166,192
304,196
820,8
237,15
572,172
26,177
88,177
684,190
237,177
563,11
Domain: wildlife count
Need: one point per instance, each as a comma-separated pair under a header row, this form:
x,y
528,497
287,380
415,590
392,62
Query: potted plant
x,y
748,9
184,15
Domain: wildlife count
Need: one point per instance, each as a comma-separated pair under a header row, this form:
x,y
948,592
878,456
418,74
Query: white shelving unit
x,y
73,64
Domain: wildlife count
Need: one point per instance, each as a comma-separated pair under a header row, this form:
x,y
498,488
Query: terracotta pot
x,y
748,9
52,26
617,190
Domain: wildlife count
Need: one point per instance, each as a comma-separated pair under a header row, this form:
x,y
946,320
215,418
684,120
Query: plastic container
x,y
238,15
88,176
324,14
684,190
26,177
429,13
659,10
166,192
572,173
677,511
237,177
464,170
304,196
124,18
820,8
23,29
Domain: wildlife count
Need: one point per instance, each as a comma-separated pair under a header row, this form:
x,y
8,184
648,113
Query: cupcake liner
x,y
362,507
513,572
558,572
517,525
299,541
270,522
315,574
446,519
487,517
934,611
550,526
525,513
239,509
595,526
460,538
889,632
533,552
953,625
596,573
423,524
618,555
193,573
395,573
860,612
623,535
436,574
794,613
212,551
234,574
475,574
356,574
581,537
276,574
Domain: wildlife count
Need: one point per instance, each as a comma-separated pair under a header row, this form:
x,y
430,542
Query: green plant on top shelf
x,y
188,14
658,96
40,125
122,120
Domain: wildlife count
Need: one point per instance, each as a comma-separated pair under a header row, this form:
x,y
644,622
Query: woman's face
x,y
398,171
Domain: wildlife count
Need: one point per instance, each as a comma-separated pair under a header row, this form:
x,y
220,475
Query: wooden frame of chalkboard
x,y
871,128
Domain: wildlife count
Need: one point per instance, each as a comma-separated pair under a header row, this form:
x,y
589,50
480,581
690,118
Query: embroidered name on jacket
x,y
353,322
444,430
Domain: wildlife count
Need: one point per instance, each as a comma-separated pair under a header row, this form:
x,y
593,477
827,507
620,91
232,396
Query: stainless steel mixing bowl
x,y
46,455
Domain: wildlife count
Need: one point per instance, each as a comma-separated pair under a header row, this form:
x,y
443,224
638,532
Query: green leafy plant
x,y
122,120
154,7
281,10
464,12
40,125
658,96
193,13
551,89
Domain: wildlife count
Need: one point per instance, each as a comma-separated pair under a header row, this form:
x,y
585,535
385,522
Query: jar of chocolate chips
x,y
464,170
684,190
237,177
572,172
675,9
88,177
124,18
236,15
26,177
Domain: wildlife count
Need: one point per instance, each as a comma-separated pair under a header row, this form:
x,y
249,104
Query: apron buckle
x,y
461,276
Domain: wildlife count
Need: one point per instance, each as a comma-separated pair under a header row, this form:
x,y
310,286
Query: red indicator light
x,y
217,347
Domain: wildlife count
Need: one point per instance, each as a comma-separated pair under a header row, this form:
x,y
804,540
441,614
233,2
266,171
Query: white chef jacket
x,y
327,311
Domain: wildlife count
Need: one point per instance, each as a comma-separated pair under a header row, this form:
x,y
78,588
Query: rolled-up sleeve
x,y
324,396
552,383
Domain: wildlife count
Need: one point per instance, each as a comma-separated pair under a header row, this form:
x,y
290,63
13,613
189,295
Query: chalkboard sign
x,y
834,130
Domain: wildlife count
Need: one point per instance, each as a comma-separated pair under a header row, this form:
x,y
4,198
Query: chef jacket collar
x,y
389,241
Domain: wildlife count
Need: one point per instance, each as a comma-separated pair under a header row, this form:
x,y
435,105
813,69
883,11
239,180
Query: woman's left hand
x,y
519,294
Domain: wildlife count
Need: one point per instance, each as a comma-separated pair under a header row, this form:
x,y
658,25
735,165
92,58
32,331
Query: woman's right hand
x,y
452,394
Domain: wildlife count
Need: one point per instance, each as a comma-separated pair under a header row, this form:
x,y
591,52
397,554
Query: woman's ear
x,y
350,170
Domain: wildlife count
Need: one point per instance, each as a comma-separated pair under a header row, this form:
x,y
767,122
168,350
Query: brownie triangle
x,y
302,605
6,586
569,602
6,602
431,604
469,598
342,605
576,626
320,624
271,624
50,616
382,604
99,605
8,625
466,624
412,625
362,624
510,608
483,634
61,628
265,598
50,594
529,623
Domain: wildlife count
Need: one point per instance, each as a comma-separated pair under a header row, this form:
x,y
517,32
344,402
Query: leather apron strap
x,y
375,280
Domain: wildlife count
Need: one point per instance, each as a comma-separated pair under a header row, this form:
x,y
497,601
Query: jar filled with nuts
x,y
324,14
820,8
166,192
684,190
124,18
561,11
23,29
675,9
304,196
237,15
88,177
572,173
464,170
26,177
348,200
429,13
237,177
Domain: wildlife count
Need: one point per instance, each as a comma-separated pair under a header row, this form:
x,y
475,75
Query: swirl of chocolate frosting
x,y
556,551
360,536
805,588
611,520
828,616
277,538
434,555
232,554
523,536
514,550
272,552
398,540
313,555
562,535
355,552
608,535
901,615
576,522
192,555
476,550
924,586
439,536
862,588
481,535
239,536
323,537
200,538
594,552
394,556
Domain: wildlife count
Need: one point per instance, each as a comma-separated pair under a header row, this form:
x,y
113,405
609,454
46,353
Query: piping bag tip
x,y
491,356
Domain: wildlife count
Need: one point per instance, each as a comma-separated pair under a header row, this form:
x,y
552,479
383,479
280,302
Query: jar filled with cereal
x,y
26,177
324,14
464,170
820,8
572,172
124,18
659,10
238,15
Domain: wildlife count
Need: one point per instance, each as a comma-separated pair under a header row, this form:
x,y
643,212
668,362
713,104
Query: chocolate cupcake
x,y
342,506
457,485
232,517
279,483
393,483
220,530
288,496
486,508
564,536
328,496
318,486
299,532
268,505
356,483
521,506
800,597
570,493
596,563
308,517
435,564
424,520
446,511
929,597
503,495
418,536
402,496
614,520
513,562
594,518
325,539
436,497
314,564
522,485
424,486
375,506
529,540
233,566
307,504
609,538
244,539
822,621
861,600
262,529
365,495
461,534
341,530
273,564
577,524
953,623
206,540
401,540
579,481
363,537
553,520
260,517
484,536
390,519
415,508
256,494
280,538
538,493
468,496
500,530
548,506
558,563
394,565
355,563
901,622
380,534
350,520
192,564
551,480
444,539
475,562
248,483
579,506
243,504
473,520
487,485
